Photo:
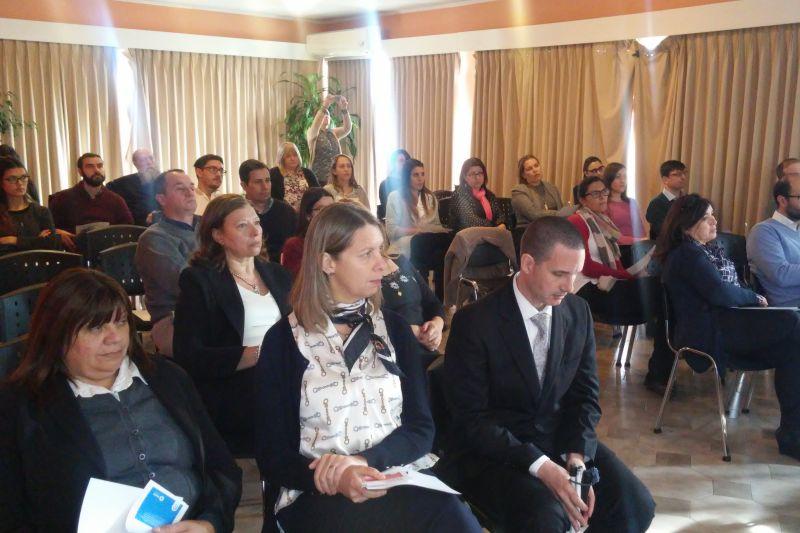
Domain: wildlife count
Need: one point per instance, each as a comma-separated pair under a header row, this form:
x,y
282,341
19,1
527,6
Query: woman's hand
x,y
249,357
343,102
430,333
329,468
68,239
328,101
188,526
501,226
351,483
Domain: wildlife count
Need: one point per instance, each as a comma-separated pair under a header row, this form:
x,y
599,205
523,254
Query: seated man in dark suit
x,y
521,384
673,177
137,188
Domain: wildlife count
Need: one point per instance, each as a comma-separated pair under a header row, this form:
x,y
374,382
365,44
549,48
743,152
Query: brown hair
x,y
521,166
469,163
334,180
74,299
610,174
210,251
331,231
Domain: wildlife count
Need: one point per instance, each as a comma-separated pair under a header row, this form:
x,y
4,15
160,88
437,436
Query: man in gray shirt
x,y
164,250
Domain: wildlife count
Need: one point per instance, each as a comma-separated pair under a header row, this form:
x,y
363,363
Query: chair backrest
x,y
485,255
508,211
22,269
442,193
16,309
118,263
11,353
669,314
99,239
735,247
444,211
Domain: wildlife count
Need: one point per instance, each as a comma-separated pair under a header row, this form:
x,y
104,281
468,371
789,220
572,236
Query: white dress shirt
x,y
127,371
786,221
666,192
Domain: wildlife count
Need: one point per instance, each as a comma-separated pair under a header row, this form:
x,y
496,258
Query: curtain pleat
x,y
69,91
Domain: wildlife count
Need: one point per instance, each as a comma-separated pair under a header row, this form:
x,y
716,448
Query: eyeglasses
x,y
216,170
478,174
598,194
791,175
790,196
598,169
13,180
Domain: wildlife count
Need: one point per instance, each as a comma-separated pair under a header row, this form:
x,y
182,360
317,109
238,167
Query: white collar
x,y
666,192
786,221
127,371
526,308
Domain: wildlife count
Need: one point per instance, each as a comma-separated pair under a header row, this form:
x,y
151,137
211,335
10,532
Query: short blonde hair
x,y
331,232
282,149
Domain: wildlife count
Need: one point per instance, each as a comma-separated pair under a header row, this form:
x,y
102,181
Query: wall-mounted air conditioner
x,y
353,43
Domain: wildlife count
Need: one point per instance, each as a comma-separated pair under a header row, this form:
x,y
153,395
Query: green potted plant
x,y
10,121
305,105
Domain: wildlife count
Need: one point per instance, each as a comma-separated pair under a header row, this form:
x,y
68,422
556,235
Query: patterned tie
x,y
541,343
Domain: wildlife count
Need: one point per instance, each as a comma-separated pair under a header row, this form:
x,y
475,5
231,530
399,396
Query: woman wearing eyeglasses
x,y
472,204
602,266
24,224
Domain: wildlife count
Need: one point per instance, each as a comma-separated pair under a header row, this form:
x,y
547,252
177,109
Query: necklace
x,y
253,286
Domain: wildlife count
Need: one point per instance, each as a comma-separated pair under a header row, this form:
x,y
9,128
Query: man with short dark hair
x,y
521,383
88,201
137,188
164,250
209,170
673,178
773,246
278,219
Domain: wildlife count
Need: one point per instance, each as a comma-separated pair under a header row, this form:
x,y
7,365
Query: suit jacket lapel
x,y
515,336
229,299
555,353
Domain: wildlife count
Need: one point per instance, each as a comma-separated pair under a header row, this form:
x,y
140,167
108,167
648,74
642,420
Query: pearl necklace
x,y
252,286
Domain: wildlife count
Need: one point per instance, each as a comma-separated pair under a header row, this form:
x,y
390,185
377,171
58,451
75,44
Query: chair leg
x,y
631,342
670,384
722,422
735,397
750,388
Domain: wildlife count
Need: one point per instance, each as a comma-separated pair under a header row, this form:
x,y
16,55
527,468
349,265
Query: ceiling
x,y
312,9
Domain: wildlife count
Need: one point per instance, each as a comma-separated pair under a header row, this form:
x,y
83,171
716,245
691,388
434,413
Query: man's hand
x,y
556,479
68,239
329,468
576,459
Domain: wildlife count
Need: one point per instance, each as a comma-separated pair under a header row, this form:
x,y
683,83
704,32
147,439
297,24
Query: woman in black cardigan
x,y
472,204
290,179
60,425
705,293
229,298
340,394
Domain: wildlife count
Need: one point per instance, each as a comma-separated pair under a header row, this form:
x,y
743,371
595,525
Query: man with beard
x,y
88,201
773,246
209,170
137,188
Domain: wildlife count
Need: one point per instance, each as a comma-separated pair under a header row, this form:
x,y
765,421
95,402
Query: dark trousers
x,y
762,339
618,302
660,364
427,252
523,503
402,509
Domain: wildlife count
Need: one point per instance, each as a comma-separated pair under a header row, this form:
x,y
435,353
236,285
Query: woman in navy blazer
x,y
704,289
213,338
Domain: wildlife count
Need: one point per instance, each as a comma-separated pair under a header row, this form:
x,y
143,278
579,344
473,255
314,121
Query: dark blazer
x,y
48,454
209,324
657,211
278,378
500,413
138,196
467,212
277,180
698,293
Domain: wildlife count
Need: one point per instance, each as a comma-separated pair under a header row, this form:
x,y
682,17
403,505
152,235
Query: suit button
x,y
142,457
539,428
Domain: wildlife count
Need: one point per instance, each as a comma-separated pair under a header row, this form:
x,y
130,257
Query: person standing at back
x,y
323,139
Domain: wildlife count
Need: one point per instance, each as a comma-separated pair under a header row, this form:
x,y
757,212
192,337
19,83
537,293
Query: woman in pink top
x,y
623,211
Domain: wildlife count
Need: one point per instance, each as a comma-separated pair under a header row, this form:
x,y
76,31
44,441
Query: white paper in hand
x,y
105,506
408,477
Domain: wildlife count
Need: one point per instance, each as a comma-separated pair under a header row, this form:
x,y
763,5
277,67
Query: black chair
x,y
442,193
680,353
16,309
95,241
516,236
11,353
487,269
508,211
444,211
23,269
118,263
735,247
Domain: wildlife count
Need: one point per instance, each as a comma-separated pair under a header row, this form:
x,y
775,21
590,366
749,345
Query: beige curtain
x,y
354,76
424,100
560,104
70,92
193,104
728,105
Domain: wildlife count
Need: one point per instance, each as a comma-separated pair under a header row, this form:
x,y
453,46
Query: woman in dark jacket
x,y
472,204
705,292
87,402
229,298
290,179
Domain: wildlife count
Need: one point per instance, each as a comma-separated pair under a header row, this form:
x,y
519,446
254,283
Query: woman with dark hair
x,y
592,168
290,179
24,224
472,204
705,291
343,185
87,402
229,298
314,200
623,211
533,197
6,150
393,179
341,398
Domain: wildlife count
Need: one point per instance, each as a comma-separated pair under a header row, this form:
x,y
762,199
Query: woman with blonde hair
x,y
341,396
290,179
342,183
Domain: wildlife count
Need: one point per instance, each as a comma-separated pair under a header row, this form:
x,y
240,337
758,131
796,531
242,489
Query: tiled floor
x,y
758,492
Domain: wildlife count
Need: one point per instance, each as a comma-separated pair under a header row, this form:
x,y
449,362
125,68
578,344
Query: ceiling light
x,y
651,43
